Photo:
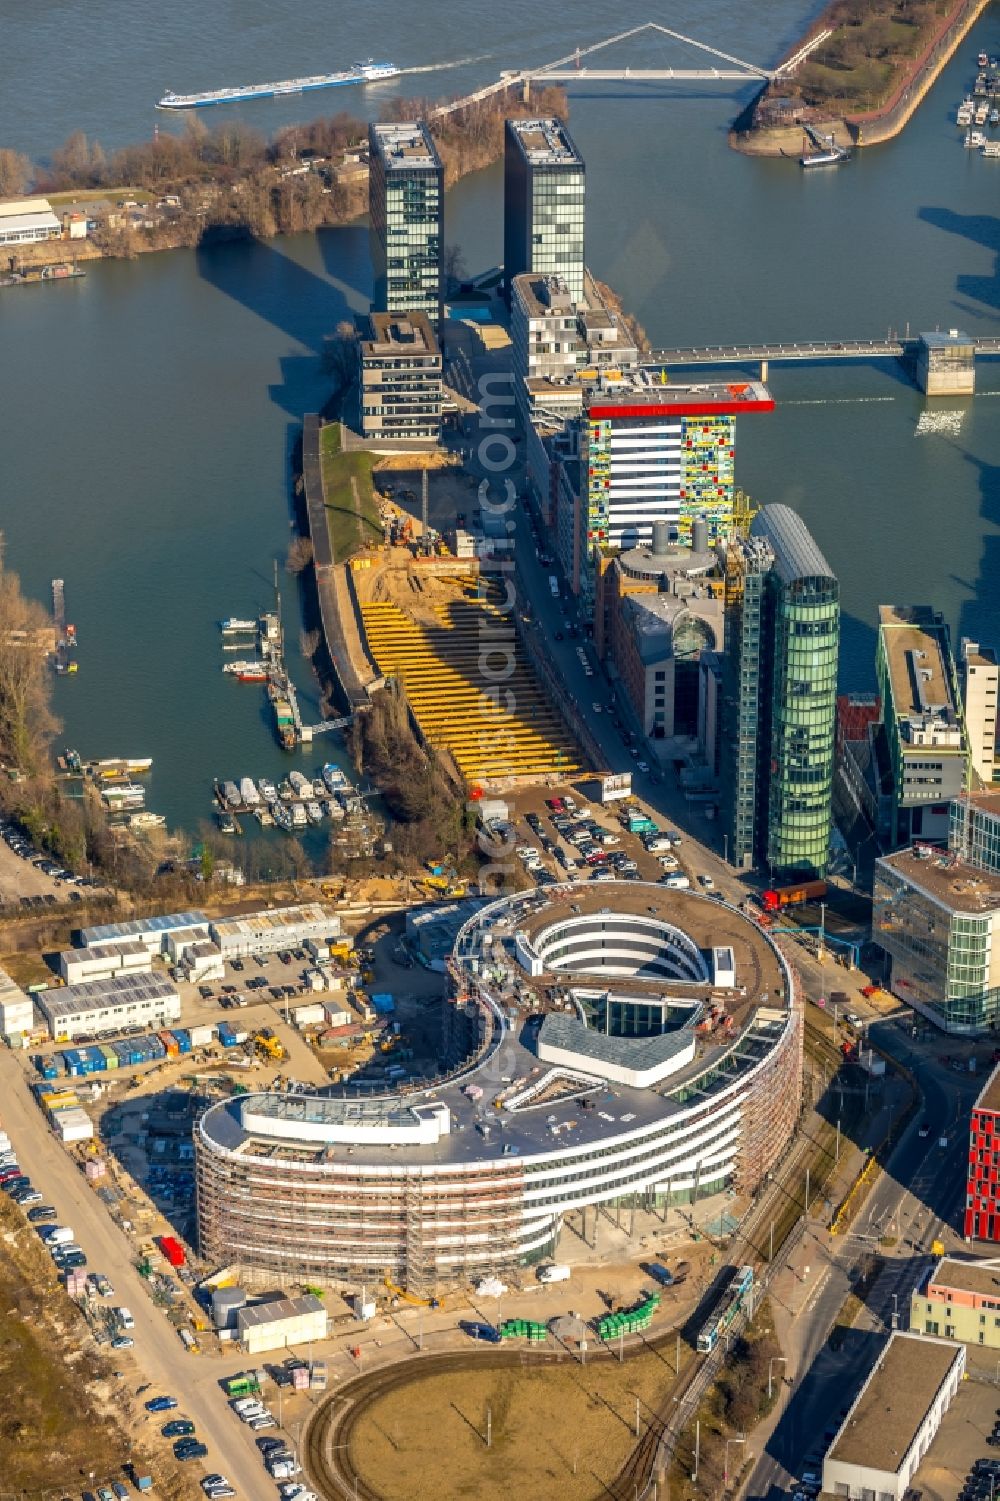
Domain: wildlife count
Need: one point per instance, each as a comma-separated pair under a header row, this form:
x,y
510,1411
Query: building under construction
x,y
684,1008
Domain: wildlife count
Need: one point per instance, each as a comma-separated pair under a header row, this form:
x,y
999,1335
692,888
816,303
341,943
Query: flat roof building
x,y
980,681
961,1300
401,379
922,712
281,1322
544,186
655,451
26,220
109,1005
149,931
894,1418
938,920
974,830
406,208
271,931
982,1195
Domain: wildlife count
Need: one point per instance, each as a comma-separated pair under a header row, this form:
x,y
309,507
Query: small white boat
x,y
248,793
234,626
974,139
301,785
281,816
334,778
318,788
231,793
332,808
268,791
299,819
314,812
146,820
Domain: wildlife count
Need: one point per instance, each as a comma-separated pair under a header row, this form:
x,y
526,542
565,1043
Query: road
x,y
916,1200
160,1358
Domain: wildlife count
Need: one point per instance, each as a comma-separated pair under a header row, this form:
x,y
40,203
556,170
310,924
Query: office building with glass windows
x,y
779,697
924,723
938,920
974,830
406,207
544,188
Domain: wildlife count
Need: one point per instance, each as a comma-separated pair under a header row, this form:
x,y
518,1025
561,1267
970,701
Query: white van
x,y
124,1319
557,1272
677,881
59,1235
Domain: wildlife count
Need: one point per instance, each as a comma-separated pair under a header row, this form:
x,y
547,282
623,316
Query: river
x,y
148,412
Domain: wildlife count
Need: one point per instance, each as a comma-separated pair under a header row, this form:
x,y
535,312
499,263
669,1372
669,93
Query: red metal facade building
x,y
982,1200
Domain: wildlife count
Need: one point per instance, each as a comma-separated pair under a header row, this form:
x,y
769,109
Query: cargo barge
x,y
365,72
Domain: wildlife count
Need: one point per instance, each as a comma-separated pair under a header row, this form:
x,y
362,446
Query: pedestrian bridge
x,y
922,350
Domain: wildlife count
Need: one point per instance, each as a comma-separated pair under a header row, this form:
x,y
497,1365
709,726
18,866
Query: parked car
x,y
177,1428
160,1404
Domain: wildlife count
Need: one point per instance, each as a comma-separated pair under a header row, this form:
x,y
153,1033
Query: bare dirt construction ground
x,y
556,1431
61,1408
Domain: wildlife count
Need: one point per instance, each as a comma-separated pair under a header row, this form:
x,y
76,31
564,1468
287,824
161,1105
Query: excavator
x,y
399,1292
268,1044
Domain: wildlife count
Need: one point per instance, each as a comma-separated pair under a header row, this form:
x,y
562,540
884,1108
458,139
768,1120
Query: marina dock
x,y
65,658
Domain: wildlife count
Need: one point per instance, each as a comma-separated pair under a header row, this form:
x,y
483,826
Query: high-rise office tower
x,y
406,207
544,192
780,697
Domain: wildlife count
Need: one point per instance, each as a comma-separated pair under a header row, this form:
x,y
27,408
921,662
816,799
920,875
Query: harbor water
x,y
149,411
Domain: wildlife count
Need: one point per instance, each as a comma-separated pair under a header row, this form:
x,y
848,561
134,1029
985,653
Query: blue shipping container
x,y
183,1041
156,1048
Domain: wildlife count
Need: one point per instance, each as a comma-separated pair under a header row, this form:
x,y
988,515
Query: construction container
x,y
49,1068
383,1003
110,1056
300,1378
308,1016
182,1039
155,1047
172,1250
169,1042
95,1169
201,1036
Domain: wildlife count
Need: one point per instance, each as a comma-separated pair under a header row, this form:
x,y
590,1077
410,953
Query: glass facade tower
x,y
780,699
544,203
406,208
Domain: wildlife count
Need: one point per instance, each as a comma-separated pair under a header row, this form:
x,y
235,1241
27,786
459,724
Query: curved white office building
x,y
620,1043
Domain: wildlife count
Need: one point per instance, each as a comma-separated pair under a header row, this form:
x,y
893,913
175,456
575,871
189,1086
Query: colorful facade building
x,y
982,1194
960,1300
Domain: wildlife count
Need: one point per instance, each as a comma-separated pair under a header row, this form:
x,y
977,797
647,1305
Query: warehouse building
x,y
25,221
272,931
17,1011
109,1005
281,1322
894,1418
104,959
150,931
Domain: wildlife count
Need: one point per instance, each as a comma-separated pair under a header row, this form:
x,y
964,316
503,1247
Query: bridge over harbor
x,y
929,353
570,68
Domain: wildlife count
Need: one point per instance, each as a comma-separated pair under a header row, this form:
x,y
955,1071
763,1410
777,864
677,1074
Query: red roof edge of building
x,y
683,409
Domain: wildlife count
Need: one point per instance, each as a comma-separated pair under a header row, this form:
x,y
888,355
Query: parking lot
x,y
29,879
948,1471
565,835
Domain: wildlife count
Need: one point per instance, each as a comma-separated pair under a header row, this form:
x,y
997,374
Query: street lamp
x,y
740,1440
770,1369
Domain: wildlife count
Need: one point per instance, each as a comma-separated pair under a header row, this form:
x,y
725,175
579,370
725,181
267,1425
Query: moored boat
x,y
301,785
314,812
268,791
231,793
233,625
299,819
282,816
334,778
248,793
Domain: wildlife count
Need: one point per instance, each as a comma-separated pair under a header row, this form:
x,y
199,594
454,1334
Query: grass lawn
x,y
348,533
93,195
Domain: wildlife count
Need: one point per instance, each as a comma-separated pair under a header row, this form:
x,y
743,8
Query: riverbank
x,y
774,123
232,184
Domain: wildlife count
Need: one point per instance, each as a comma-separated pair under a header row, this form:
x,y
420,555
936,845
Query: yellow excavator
x,y
268,1044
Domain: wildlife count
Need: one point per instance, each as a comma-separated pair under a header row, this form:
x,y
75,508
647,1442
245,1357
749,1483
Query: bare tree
x,y
456,267
340,355
15,172
300,555
26,721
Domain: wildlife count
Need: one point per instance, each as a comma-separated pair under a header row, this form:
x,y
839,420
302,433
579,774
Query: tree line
x,y
229,177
